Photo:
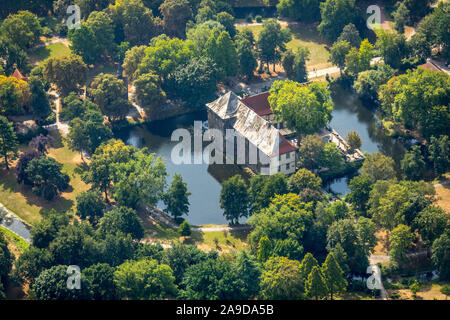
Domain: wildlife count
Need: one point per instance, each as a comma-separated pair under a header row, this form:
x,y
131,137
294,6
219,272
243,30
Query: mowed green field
x,y
306,36
21,200
54,50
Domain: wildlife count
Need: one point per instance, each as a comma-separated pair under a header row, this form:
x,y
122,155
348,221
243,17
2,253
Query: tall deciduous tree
x,y
176,198
338,53
304,109
336,14
8,141
67,73
281,279
234,199
333,275
109,94
272,42
315,285
176,14
145,279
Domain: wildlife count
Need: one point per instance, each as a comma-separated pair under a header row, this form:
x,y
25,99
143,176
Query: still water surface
x,y
203,181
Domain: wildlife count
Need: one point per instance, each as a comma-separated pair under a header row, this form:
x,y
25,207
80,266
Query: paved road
x,y
13,223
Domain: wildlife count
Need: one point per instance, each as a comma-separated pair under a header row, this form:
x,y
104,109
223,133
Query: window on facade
x,y
288,166
288,155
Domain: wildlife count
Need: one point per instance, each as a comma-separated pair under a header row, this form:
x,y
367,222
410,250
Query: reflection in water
x,y
350,114
203,181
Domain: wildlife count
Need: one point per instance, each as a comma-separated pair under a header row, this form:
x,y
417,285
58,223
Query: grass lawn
x,y
307,36
443,196
54,50
23,202
222,241
428,291
15,243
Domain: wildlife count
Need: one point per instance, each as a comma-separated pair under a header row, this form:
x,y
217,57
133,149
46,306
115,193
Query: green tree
x,y
439,150
354,140
8,141
185,229
310,148
47,177
264,249
281,280
295,64
336,14
272,42
246,57
246,266
140,181
234,199
213,279
304,109
176,14
378,167
401,17
180,256
164,55
331,157
316,286
39,100
368,83
304,179
176,198
306,266
222,50
103,165
135,23
359,60
56,71
333,276
32,262
85,135
133,58
432,223
94,38
263,188
6,259
108,93
227,20
101,279
401,238
358,196
302,10
196,82
45,231
351,35
355,244
145,280
149,93
90,206
413,164
122,220
392,47
338,53
51,284
200,32
414,287
441,256
22,28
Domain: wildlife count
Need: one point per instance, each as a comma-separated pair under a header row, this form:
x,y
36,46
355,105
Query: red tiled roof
x,y
429,66
16,74
259,103
286,146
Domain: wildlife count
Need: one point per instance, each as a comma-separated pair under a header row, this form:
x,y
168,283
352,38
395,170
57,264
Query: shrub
x,y
258,19
185,229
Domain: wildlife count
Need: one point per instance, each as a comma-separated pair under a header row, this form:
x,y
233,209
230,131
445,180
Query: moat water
x,y
204,181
